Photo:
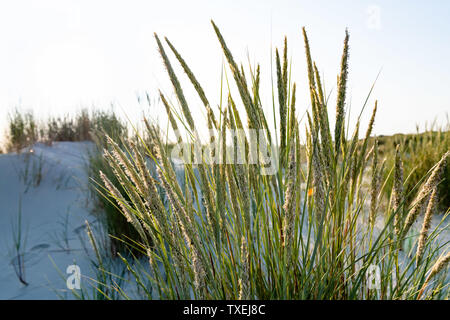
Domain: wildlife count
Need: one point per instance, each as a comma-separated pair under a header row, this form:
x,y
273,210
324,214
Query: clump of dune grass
x,y
232,231
22,130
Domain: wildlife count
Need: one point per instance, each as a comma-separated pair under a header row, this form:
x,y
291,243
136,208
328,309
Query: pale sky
x,y
59,55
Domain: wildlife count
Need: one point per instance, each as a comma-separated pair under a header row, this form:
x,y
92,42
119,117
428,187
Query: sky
x,y
57,56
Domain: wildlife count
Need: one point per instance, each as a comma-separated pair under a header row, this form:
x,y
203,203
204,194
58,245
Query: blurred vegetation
x,y
420,152
22,130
